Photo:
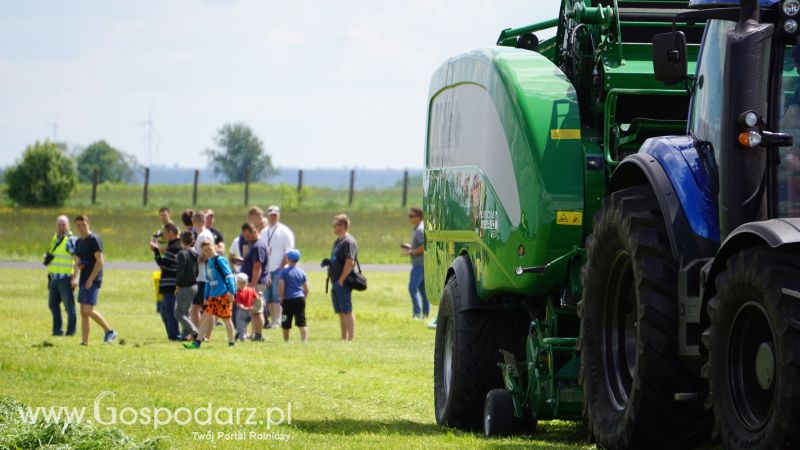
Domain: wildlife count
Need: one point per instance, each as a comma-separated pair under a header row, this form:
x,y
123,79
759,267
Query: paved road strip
x,y
142,265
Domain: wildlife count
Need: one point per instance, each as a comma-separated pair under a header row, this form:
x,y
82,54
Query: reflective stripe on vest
x,y
62,261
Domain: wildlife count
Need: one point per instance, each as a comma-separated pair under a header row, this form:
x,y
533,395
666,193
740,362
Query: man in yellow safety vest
x,y
61,279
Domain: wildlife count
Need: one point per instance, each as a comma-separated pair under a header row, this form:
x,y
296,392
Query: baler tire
x,y
498,413
630,368
757,297
477,337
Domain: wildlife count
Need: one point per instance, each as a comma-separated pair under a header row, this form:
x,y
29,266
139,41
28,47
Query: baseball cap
x,y
293,255
273,210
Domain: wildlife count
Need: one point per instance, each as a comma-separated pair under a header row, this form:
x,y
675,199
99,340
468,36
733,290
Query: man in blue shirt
x,y
293,291
89,256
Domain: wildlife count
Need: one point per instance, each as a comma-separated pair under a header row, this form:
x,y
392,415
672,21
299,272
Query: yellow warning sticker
x,y
569,217
566,133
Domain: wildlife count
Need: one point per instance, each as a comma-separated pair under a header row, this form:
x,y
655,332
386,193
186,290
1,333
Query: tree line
x,y
47,174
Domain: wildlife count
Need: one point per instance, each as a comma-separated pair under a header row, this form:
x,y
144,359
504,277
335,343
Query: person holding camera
x,y
61,277
341,263
415,250
167,261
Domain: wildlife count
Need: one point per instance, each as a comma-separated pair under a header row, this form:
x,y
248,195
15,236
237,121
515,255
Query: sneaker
x,y
110,336
58,333
231,344
191,346
432,324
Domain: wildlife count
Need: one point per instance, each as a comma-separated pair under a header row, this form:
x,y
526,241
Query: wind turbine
x,y
54,126
151,130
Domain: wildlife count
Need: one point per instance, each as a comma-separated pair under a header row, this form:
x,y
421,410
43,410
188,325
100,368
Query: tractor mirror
x,y
669,57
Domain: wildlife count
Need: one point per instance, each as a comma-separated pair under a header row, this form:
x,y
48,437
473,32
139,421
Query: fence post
x,y
194,189
95,177
352,185
405,187
246,186
146,184
300,181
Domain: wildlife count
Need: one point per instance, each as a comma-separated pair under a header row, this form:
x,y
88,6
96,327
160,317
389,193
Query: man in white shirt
x,y
203,235
279,239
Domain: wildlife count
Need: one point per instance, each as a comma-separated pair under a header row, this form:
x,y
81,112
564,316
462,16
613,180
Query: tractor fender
x,y
671,167
776,233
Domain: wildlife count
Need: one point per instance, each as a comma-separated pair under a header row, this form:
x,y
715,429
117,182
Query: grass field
x,y
375,392
380,224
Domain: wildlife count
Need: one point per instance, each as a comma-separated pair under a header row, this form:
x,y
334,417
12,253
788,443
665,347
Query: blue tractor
x,y
691,288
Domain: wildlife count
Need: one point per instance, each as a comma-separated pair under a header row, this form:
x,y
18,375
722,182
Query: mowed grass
x,y
375,392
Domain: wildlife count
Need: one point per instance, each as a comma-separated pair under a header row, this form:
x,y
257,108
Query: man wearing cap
x,y
279,239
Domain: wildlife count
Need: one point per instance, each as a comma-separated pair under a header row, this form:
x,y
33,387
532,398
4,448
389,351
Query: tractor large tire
x,y
466,355
630,369
754,350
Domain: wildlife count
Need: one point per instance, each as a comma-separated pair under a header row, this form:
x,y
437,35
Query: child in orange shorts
x,y
219,293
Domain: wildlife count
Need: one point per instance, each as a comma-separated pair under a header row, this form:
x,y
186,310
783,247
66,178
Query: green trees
x,y
112,165
45,176
239,149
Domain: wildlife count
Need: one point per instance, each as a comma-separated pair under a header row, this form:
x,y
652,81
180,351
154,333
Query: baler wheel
x,y
498,413
466,354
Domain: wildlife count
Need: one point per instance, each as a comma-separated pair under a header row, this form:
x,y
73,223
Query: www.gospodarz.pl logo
x,y
157,417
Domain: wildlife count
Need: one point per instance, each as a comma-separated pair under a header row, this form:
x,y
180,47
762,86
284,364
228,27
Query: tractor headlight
x,y
791,7
790,26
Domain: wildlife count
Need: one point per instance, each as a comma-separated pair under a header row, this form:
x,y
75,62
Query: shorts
x,y
88,296
221,306
293,307
271,293
342,298
201,291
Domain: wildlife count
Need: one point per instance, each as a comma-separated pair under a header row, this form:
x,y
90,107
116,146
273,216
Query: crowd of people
x,y
258,285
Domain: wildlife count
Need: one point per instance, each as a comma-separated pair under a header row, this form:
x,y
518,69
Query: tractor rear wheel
x,y
754,350
629,323
466,354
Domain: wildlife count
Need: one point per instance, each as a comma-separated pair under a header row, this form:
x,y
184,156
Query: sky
x,y
321,83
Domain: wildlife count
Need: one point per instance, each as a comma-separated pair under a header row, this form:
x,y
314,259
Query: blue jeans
x,y
168,316
61,291
417,284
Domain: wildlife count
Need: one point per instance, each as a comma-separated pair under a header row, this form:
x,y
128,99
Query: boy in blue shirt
x,y
293,290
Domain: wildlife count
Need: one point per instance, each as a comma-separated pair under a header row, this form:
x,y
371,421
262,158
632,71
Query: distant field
x,y
229,195
380,224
